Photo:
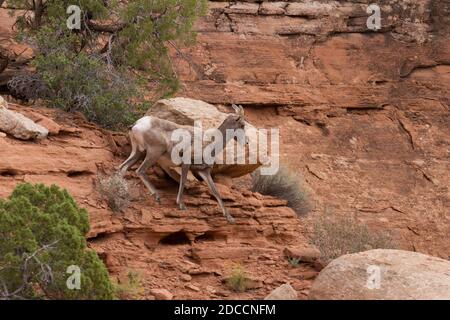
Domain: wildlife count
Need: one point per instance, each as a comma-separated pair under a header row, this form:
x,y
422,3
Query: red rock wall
x,y
364,115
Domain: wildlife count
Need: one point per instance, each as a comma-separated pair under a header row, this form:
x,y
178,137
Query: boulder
x,y
186,111
284,292
303,254
161,294
18,125
384,275
185,278
192,287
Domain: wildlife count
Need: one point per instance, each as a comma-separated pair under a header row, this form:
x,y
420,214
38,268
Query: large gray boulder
x,y
186,111
384,275
18,125
284,292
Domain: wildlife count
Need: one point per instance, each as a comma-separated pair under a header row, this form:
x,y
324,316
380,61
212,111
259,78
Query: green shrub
x,y
295,262
237,280
337,236
42,233
115,62
283,185
82,82
131,288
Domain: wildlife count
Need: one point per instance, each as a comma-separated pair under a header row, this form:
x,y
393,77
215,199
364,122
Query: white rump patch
x,y
142,125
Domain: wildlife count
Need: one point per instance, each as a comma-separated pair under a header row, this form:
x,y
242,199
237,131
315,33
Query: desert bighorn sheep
x,y
153,136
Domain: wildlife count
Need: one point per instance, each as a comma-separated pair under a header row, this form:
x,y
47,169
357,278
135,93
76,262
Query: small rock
x,y
275,202
303,274
2,135
304,254
161,294
247,193
225,192
185,277
52,127
295,272
284,292
20,126
266,257
224,180
319,265
158,215
308,275
222,293
192,287
254,283
185,266
121,140
301,285
198,272
270,8
210,289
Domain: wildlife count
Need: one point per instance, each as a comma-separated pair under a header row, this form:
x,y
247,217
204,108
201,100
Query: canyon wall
x,y
364,115
364,119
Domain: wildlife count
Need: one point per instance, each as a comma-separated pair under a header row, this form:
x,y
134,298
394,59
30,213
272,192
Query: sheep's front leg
x,y
206,176
183,178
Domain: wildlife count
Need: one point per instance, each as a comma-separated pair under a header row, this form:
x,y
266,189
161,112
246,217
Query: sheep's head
x,y
236,121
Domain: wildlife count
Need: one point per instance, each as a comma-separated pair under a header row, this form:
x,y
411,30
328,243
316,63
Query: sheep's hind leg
x,y
135,156
150,159
131,161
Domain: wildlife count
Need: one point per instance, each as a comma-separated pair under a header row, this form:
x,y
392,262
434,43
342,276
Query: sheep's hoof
x,y
230,219
183,207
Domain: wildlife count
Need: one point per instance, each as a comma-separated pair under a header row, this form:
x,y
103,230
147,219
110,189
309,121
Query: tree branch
x,y
45,273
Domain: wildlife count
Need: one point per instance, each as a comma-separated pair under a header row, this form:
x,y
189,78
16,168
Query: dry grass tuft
x,y
284,185
116,192
238,281
338,236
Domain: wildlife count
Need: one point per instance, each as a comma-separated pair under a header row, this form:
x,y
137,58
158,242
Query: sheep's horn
x,y
242,112
239,110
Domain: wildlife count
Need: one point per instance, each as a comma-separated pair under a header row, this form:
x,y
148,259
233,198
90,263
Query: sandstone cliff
x,y
364,115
